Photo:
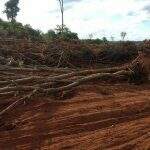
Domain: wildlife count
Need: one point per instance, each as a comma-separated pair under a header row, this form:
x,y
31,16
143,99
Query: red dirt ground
x,y
98,117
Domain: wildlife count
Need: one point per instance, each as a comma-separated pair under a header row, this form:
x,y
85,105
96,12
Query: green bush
x,y
16,29
94,41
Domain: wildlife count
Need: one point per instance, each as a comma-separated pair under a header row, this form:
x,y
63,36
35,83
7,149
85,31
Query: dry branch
x,y
16,103
38,91
64,80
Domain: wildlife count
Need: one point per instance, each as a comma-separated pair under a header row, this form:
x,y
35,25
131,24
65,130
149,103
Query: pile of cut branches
x,y
71,54
19,85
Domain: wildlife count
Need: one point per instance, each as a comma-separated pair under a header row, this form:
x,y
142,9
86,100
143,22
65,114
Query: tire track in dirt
x,y
89,120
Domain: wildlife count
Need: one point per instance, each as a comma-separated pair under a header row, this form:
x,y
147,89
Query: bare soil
x,y
98,116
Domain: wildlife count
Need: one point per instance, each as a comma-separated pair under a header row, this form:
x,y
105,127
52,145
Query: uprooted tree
x,y
25,84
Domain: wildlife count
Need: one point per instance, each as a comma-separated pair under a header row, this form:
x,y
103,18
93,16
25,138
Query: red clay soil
x,y
97,117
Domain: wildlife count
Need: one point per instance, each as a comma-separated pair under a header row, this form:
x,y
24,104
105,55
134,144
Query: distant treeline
x,y
19,31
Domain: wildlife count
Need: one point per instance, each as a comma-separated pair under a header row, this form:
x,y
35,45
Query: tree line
x,y
26,31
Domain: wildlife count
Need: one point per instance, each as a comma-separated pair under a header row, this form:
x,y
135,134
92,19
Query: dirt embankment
x,y
98,117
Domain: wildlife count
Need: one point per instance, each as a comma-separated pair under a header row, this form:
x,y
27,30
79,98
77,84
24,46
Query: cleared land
x,y
73,108
97,117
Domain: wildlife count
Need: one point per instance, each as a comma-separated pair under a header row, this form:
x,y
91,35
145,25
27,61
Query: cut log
x,y
38,91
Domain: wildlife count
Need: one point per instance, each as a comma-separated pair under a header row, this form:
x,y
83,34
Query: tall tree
x,y
90,36
123,35
11,9
112,38
61,3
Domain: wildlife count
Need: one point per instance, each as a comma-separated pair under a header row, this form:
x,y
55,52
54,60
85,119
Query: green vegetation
x,y
11,9
19,31
96,41
57,33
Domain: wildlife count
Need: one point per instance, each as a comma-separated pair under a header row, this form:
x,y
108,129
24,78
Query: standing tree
x,y
104,39
58,29
123,35
90,36
61,3
67,34
11,9
112,38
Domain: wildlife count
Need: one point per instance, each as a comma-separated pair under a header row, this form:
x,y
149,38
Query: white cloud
x,y
101,17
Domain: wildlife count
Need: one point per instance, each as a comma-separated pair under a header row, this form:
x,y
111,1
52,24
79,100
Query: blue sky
x,y
98,17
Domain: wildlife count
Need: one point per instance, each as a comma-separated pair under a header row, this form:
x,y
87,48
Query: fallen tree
x,y
24,84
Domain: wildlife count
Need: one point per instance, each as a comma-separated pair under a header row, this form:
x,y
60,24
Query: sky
x,y
97,17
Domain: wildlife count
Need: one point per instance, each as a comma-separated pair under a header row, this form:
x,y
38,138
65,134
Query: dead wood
x,y
35,69
18,102
22,80
7,94
87,79
39,90
56,80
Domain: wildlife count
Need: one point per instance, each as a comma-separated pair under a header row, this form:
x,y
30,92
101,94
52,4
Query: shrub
x,y
17,30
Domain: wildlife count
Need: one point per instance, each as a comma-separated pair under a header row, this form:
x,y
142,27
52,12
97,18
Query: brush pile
x,y
71,54
29,70
20,85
